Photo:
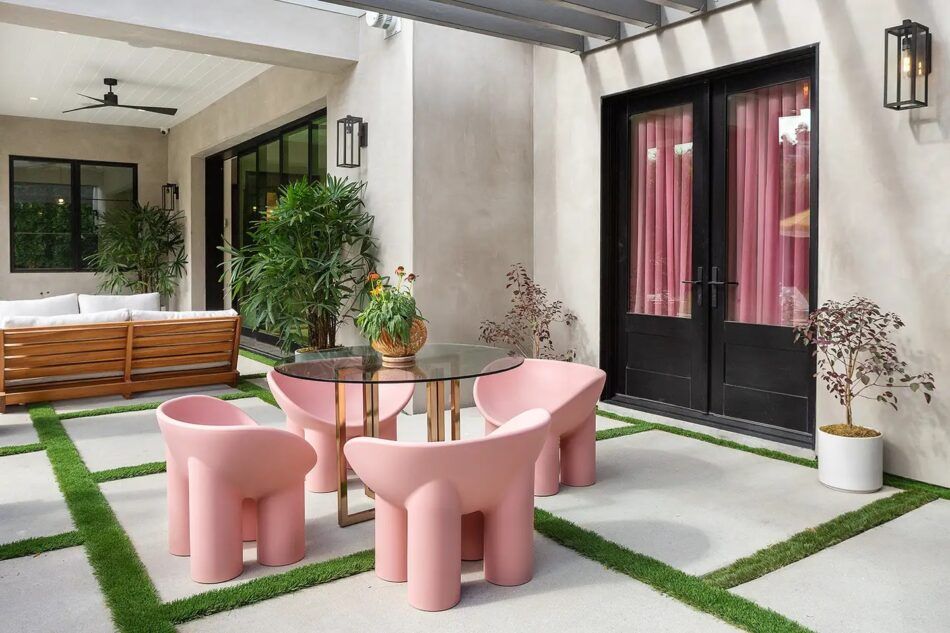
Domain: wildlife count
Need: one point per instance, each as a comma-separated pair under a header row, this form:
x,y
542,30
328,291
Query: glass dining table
x,y
437,365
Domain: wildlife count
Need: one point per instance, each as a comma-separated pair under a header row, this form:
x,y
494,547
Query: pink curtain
x,y
661,212
769,204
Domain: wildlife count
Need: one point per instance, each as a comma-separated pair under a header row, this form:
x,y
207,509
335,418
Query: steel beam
x,y
545,14
638,12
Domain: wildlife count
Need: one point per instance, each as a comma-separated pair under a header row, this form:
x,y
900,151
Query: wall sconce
x,y
169,195
907,60
351,136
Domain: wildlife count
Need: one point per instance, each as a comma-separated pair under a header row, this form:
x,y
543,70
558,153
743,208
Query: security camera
x,y
164,131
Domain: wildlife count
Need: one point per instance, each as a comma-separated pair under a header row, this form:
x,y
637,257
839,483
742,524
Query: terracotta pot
x,y
851,464
395,353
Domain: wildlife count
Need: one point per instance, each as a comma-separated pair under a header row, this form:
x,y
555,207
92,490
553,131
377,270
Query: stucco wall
x,y
883,223
22,136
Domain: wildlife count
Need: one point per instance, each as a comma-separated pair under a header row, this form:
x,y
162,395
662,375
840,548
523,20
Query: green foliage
x,y
141,249
42,236
301,274
391,309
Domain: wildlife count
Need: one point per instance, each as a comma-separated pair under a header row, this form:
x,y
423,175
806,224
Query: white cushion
x,y
169,315
110,316
50,306
99,303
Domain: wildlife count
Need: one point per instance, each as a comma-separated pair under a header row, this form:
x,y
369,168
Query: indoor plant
x,y
391,320
856,359
141,248
301,273
527,325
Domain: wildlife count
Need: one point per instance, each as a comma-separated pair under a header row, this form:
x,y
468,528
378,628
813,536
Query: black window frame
x,y
75,184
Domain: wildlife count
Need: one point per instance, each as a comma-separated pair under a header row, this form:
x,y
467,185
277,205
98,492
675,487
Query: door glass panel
x,y
268,176
661,210
318,148
247,195
295,150
769,204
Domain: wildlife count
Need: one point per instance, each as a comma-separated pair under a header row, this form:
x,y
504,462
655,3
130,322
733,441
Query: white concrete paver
x,y
568,593
250,366
30,501
16,428
100,402
55,591
891,578
695,505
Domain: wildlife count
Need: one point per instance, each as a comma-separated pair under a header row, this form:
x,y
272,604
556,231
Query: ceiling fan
x,y
111,100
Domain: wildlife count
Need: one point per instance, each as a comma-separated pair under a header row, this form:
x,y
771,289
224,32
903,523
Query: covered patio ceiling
x,y
570,25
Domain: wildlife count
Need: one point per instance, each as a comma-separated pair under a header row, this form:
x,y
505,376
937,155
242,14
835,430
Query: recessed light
x,y
34,98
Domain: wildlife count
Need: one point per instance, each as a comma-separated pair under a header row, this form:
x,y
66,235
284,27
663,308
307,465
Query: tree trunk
x,y
322,331
847,408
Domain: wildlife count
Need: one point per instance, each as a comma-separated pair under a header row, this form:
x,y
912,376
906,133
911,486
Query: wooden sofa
x,y
57,362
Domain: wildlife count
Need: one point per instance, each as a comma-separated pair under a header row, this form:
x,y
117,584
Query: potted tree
x,y
857,359
391,320
302,273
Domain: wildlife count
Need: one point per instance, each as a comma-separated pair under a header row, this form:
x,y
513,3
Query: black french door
x,y
709,247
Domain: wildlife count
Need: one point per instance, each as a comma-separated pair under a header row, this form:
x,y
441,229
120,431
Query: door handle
x,y
715,282
697,281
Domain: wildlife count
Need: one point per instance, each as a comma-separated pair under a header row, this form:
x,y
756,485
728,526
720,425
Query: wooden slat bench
x,y
40,364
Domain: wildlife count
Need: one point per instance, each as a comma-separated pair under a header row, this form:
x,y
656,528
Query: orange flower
x,y
372,277
411,277
400,271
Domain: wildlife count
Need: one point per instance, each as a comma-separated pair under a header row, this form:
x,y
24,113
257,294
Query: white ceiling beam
x,y
546,15
690,6
638,12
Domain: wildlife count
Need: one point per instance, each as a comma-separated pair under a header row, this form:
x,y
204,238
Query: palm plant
x,y
141,249
303,271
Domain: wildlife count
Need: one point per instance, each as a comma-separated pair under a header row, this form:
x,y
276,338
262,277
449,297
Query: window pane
x,y
294,148
247,194
41,217
268,175
318,148
770,204
103,187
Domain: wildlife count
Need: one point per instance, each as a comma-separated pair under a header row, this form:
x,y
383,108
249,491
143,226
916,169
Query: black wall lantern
x,y
907,58
351,137
169,195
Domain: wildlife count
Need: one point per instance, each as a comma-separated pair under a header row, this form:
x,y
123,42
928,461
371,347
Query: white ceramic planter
x,y
851,464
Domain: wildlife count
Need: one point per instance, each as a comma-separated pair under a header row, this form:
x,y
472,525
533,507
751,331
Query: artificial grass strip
x,y
688,589
138,406
267,360
267,587
39,544
125,472
906,483
815,539
252,389
128,590
607,434
20,449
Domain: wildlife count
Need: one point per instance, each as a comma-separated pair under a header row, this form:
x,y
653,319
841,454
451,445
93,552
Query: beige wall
x,y
21,136
884,225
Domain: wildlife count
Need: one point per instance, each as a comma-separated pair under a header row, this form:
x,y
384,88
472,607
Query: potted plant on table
x,y
857,359
391,320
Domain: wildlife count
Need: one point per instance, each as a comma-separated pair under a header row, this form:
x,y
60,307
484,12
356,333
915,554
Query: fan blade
x,y
93,98
156,110
99,105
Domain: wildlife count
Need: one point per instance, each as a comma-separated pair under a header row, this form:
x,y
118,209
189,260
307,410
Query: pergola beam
x,y
690,6
470,20
638,12
546,15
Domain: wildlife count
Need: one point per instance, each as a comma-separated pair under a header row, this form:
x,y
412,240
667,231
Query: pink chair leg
x,y
435,547
249,520
177,496
280,523
509,535
387,429
579,455
215,524
391,534
489,427
323,477
472,536
547,469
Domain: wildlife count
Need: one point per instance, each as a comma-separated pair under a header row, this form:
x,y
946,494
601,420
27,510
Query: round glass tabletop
x,y
435,361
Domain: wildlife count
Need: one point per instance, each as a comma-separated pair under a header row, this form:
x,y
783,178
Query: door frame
x,y
615,185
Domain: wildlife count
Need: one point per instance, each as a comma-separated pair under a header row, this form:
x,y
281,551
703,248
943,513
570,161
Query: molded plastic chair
x,y
569,391
310,407
231,480
424,489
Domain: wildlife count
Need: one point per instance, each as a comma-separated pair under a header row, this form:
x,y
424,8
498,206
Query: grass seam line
x,y
267,587
608,434
813,540
39,544
139,406
20,449
127,472
122,577
679,585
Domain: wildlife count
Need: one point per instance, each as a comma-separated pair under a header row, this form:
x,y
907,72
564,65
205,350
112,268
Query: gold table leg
x,y
370,419
344,518
456,412
435,410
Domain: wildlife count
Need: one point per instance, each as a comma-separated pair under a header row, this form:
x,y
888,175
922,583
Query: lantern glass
x,y
906,66
350,138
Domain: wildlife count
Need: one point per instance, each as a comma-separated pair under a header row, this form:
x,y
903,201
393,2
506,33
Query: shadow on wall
x,y
931,125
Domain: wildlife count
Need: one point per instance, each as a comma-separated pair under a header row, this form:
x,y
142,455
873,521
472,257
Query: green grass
x,y
39,544
688,589
252,389
128,590
906,483
126,472
815,539
606,434
138,406
267,360
20,449
267,587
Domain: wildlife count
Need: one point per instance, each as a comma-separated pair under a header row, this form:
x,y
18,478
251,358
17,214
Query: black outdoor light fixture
x,y
169,195
351,137
907,58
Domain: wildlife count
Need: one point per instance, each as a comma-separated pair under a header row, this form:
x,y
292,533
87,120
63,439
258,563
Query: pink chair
x,y
310,407
569,391
231,480
424,489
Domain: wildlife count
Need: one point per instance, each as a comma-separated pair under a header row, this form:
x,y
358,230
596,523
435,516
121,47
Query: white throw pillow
x,y
158,315
50,306
110,316
100,303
